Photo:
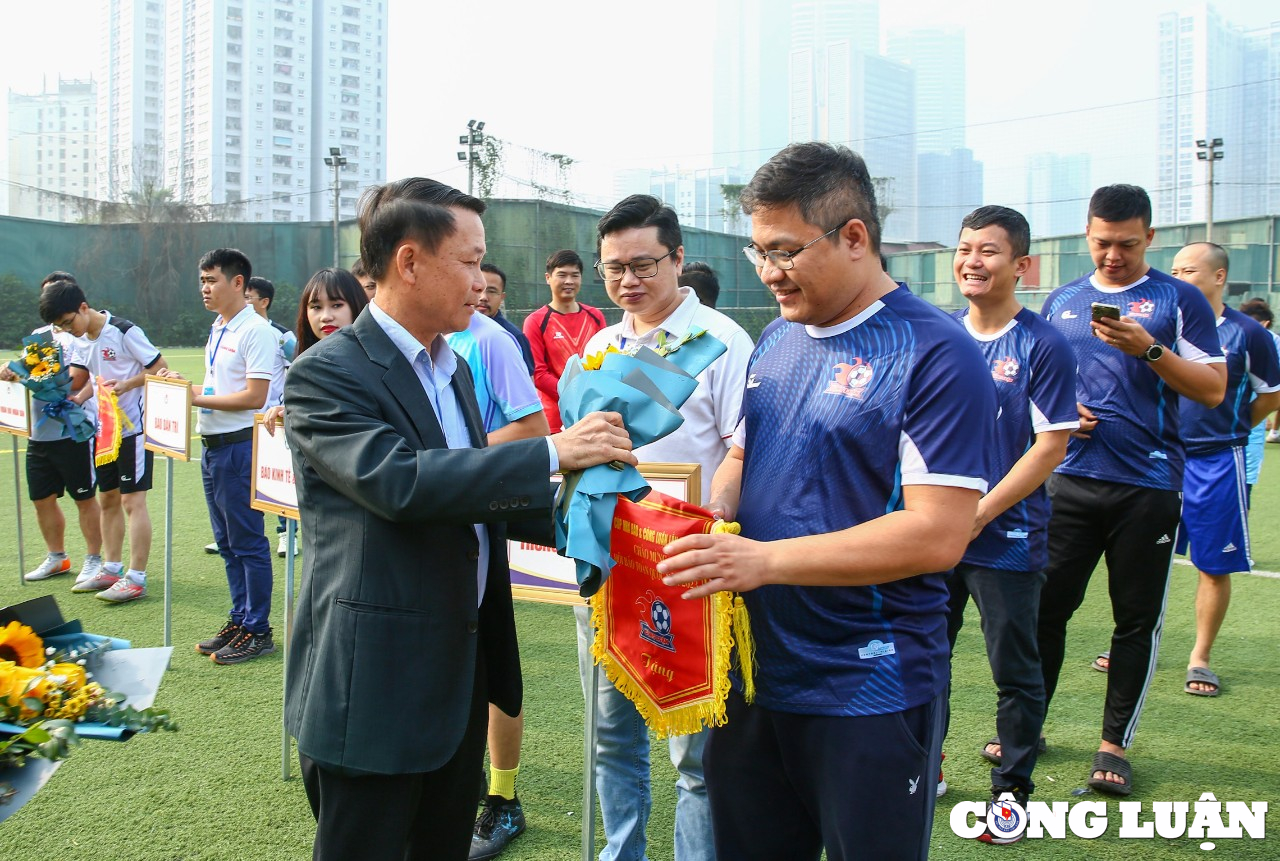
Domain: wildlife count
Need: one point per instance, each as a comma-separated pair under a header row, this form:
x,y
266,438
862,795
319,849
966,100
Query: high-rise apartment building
x,y
130,98
950,187
254,94
938,58
52,150
1217,80
1058,191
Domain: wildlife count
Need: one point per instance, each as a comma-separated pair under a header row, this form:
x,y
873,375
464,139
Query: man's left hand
x,y
1125,334
726,562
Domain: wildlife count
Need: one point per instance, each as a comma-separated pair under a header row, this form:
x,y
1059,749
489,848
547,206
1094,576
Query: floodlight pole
x,y
1209,150
473,138
335,160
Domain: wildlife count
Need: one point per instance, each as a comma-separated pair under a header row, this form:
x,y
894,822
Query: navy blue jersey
x,y
1137,439
1034,372
835,422
1252,366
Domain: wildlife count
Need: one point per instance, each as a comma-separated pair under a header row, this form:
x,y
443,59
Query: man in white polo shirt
x,y
241,360
641,253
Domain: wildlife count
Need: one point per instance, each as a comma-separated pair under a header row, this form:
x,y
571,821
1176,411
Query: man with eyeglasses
x,y
641,257
855,484
559,329
490,304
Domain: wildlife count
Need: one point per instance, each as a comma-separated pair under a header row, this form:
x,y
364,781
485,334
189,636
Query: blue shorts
x,y
1215,508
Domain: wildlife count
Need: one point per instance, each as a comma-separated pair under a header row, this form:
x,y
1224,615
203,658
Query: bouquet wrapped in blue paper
x,y
647,387
43,371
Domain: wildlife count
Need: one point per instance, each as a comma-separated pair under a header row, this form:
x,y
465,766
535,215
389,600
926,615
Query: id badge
x,y
208,390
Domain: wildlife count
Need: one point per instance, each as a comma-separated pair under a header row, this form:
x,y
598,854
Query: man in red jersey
x,y
559,329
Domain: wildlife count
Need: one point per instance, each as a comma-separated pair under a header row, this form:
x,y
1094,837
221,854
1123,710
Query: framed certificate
x,y
273,487
15,409
167,417
540,574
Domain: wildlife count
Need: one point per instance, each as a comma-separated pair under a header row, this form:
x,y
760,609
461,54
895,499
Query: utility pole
x,y
335,160
1209,152
473,138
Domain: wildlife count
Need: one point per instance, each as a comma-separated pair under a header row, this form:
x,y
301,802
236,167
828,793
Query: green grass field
x,y
213,790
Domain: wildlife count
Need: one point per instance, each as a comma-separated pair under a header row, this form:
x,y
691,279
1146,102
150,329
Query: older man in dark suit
x,y
405,627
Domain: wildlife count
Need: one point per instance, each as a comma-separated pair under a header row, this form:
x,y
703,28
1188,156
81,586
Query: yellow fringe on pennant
x,y
682,720
741,626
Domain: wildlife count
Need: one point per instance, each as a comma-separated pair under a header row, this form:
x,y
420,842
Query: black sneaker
x,y
218,640
245,647
1008,822
500,821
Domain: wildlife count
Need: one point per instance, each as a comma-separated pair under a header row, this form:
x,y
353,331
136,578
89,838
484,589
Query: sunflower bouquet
x,y
42,370
647,387
45,692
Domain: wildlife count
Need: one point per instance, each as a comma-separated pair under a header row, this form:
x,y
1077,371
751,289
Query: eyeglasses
x,y
642,267
783,260
64,325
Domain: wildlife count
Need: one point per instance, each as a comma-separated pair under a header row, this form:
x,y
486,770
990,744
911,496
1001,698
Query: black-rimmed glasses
x,y
642,267
783,260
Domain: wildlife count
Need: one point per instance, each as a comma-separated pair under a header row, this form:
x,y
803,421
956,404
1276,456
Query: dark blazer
x,y
382,660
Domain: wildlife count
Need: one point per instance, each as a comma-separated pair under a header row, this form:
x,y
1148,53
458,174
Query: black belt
x,y
218,440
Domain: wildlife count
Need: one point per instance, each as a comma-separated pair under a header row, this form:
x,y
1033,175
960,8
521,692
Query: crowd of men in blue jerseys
x,y
886,461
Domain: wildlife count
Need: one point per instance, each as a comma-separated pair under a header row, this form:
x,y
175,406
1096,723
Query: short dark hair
x,y
357,269
702,278
1012,222
415,208
231,261
642,210
57,275
563,257
265,288
1217,255
493,267
60,298
1121,202
335,284
828,183
1259,309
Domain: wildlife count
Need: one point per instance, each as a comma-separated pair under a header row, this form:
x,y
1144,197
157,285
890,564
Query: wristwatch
x,y
1155,351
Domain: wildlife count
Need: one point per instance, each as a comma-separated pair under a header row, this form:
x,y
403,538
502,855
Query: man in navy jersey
x,y
1150,339
853,481
1034,374
1215,504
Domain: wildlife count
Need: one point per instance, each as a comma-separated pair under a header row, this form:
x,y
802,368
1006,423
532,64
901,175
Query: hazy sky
x,y
616,85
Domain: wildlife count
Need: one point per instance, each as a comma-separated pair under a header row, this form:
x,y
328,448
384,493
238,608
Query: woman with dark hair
x,y
333,298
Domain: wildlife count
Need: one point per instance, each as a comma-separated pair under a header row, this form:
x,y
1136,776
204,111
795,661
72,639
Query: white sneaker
x,y
1273,436
282,547
50,567
211,547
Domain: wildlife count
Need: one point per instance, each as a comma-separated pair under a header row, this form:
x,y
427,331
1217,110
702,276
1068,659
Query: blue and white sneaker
x,y
500,821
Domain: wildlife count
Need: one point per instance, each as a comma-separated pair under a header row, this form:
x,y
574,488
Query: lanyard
x,y
214,357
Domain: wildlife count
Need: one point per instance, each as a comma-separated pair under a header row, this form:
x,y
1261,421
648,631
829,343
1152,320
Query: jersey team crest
x,y
851,380
1005,370
1142,308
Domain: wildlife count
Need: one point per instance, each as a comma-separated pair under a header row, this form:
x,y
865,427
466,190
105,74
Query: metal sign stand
x,y
291,548
589,767
17,498
168,552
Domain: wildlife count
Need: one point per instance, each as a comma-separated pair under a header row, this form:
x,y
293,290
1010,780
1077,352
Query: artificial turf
x,y
213,790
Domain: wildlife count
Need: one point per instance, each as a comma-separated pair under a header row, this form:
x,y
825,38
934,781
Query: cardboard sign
x,y
273,487
15,409
167,417
540,574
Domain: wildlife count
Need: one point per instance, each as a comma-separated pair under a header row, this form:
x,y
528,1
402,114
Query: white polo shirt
x,y
712,410
242,349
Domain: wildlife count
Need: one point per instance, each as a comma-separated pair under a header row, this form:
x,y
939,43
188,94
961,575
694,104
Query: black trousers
x,y
402,817
787,786
1135,528
1009,602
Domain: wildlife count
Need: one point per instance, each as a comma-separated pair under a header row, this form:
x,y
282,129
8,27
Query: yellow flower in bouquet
x,y
594,361
20,644
25,684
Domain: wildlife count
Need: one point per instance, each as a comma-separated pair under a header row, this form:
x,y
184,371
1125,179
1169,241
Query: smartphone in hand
x,y
1103,311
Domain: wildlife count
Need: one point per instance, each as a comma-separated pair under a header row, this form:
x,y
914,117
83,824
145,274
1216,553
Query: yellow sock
x,y
502,781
